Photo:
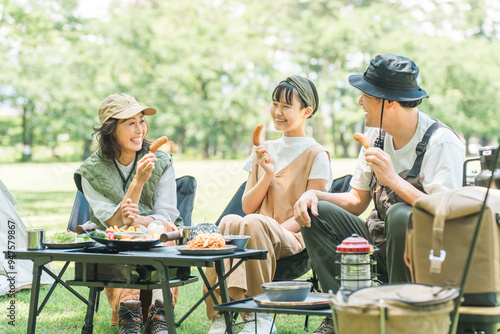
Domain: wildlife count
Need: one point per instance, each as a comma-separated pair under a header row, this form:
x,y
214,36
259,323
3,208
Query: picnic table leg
x,y
224,293
38,264
167,296
35,292
88,326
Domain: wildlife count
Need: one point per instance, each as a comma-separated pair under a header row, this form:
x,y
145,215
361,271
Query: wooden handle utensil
x,y
168,236
88,226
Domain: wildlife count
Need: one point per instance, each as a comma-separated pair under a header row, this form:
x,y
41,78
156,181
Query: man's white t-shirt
x,y
286,149
442,166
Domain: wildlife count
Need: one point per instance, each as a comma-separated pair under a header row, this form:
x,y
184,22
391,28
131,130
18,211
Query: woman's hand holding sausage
x,y
265,160
145,167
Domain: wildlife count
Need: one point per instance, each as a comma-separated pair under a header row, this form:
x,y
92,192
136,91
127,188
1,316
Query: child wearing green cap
x,y
279,172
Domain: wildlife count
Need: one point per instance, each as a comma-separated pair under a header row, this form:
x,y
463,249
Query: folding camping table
x,y
164,260
248,305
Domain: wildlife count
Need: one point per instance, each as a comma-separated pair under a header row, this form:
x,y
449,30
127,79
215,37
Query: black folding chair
x,y
186,191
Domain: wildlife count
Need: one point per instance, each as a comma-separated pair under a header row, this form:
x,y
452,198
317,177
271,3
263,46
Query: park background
x,y
209,67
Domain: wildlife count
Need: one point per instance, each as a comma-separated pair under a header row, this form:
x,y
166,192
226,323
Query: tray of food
x,y
206,244
68,240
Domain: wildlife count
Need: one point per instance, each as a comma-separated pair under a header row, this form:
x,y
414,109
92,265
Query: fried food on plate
x,y
203,241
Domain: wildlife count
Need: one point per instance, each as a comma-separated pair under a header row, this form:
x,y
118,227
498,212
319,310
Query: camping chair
x,y
297,265
186,191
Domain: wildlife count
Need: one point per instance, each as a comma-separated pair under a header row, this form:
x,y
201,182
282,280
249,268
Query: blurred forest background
x,y
209,67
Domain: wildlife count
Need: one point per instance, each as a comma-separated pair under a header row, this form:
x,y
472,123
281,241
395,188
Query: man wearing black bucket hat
x,y
412,155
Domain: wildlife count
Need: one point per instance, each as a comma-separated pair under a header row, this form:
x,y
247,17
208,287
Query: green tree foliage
x,y
209,66
34,42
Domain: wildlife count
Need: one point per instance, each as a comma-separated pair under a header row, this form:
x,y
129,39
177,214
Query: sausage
x,y
157,144
363,140
256,134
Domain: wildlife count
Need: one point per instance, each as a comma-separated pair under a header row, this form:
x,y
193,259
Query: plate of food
x,y
68,240
206,244
206,251
144,242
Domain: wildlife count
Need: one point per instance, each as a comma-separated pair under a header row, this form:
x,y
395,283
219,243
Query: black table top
x,y
163,254
250,306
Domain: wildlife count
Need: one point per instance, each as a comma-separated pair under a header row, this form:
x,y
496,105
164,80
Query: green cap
x,y
121,106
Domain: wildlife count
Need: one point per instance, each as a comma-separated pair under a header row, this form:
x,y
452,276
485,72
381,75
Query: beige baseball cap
x,y
121,106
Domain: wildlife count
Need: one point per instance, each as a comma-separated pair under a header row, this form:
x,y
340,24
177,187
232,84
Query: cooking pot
x,y
488,156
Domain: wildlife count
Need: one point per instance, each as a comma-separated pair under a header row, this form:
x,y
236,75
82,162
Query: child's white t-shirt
x,y
286,149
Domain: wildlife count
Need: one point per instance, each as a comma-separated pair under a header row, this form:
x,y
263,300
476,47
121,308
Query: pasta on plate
x,y
203,241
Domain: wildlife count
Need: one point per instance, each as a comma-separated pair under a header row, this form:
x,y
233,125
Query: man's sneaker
x,y
130,317
326,327
218,325
265,324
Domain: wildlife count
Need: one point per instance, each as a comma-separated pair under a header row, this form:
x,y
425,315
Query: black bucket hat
x,y
390,77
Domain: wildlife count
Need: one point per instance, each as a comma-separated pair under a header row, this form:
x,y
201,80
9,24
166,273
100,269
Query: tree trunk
x,y
87,142
235,144
334,136
54,152
206,148
467,142
484,141
321,132
181,138
345,146
27,134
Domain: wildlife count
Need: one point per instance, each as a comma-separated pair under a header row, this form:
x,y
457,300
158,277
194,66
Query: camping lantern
x,y
355,263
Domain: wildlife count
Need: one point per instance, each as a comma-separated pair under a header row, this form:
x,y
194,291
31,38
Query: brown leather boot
x,y
130,317
156,323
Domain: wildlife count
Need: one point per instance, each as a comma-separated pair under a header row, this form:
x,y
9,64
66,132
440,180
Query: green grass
x,y
65,313
46,193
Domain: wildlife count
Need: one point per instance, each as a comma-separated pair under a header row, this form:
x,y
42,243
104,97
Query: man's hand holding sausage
x,y
381,164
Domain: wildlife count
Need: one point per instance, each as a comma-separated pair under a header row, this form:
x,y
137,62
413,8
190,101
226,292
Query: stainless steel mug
x,y
187,233
35,239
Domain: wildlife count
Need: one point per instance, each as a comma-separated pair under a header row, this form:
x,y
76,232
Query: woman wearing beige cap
x,y
127,186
